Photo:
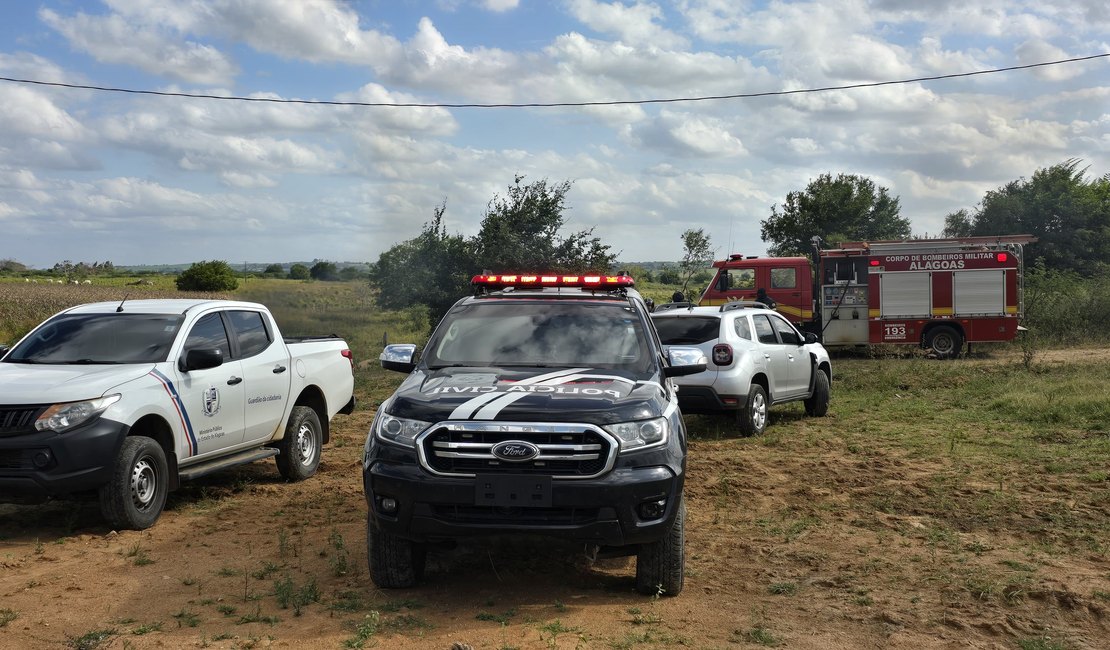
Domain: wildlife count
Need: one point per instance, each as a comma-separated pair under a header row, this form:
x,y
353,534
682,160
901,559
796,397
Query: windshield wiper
x,y
88,362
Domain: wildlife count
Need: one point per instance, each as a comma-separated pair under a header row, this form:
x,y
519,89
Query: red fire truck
x,y
935,293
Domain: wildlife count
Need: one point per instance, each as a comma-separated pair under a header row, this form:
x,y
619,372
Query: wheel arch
x,y
761,379
313,398
156,428
933,324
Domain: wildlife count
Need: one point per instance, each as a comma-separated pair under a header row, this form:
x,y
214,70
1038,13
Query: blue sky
x,y
91,176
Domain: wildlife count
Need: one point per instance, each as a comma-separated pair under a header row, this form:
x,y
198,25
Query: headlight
x,y
61,417
641,434
398,430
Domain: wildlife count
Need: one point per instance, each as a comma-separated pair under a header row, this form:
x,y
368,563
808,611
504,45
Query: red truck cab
x,y
787,280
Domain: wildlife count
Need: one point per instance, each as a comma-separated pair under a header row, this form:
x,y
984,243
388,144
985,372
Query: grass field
x,y
940,504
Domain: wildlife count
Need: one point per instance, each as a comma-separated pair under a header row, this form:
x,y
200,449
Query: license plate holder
x,y
512,491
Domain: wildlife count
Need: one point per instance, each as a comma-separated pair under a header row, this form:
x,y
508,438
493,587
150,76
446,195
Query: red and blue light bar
x,y
586,281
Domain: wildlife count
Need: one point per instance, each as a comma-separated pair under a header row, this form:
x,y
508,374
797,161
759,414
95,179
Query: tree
x,y
847,208
324,271
274,270
299,272
207,276
431,269
521,231
696,255
958,224
11,266
1069,215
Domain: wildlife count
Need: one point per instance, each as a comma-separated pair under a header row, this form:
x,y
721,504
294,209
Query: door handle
x,y
279,369
234,380
766,356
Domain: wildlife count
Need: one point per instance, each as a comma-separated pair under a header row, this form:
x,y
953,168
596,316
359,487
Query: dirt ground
x,y
785,546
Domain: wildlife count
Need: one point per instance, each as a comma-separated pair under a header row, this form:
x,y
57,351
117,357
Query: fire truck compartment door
x,y
979,292
905,295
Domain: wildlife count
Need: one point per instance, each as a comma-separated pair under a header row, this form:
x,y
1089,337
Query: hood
x,y
587,395
26,383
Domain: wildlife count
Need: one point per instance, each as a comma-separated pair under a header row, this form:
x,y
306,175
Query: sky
x,y
134,179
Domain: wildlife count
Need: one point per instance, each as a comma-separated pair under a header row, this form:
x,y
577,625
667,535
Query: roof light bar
x,y
589,281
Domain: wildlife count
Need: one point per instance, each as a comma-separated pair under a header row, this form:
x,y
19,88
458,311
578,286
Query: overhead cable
x,y
620,102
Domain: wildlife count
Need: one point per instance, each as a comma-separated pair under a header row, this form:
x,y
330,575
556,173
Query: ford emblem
x,y
515,451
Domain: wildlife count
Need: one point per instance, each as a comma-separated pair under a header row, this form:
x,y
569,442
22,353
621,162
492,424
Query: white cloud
x,y
28,112
1037,51
112,39
686,134
636,24
499,5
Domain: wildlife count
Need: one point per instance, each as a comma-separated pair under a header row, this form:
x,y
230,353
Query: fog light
x,y
41,458
652,509
387,505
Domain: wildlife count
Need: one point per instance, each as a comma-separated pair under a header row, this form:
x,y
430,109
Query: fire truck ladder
x,y
1000,242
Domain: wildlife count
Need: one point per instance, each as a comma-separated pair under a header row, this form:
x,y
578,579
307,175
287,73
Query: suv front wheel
x,y
753,417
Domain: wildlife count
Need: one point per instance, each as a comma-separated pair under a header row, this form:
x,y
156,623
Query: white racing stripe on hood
x,y
491,410
467,408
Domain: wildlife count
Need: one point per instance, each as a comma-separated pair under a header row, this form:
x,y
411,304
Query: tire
x,y
944,342
135,494
661,565
753,417
300,447
817,405
395,562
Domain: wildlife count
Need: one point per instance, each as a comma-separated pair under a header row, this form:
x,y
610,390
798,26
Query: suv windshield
x,y
559,333
687,330
99,339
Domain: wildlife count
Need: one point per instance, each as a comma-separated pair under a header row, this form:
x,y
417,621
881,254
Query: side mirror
x,y
399,357
811,337
4,350
201,359
685,361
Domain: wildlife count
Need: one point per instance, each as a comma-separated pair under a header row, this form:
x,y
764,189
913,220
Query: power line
x,y
622,102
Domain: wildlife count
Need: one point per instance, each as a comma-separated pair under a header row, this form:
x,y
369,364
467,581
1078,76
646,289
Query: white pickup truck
x,y
128,399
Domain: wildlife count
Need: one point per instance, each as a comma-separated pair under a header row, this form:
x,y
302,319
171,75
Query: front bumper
x,y
36,466
604,511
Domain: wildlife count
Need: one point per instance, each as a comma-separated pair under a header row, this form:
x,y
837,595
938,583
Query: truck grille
x,y
15,420
517,516
566,451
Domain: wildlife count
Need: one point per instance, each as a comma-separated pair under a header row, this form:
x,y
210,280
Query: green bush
x,y
207,276
299,272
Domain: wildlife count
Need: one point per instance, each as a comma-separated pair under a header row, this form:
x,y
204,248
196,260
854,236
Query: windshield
x,y
550,334
99,339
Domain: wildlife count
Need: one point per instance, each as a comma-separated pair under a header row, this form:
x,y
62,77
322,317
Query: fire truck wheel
x,y
753,417
944,342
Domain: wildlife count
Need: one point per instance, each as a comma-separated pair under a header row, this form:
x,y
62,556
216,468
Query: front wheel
x,y
817,405
661,565
945,342
395,562
300,447
752,418
135,494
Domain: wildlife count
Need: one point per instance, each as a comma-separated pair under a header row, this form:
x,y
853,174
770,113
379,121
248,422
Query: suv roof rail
x,y
742,304
675,305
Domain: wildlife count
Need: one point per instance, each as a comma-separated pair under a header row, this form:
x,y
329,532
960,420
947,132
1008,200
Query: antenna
x,y
120,307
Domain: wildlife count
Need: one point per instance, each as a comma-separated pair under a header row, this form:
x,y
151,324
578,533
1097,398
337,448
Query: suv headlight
x,y
641,434
401,431
62,417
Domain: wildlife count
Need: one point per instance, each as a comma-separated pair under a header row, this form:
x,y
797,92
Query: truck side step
x,y
224,462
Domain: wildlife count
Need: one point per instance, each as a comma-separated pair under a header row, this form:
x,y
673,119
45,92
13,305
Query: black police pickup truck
x,y
541,404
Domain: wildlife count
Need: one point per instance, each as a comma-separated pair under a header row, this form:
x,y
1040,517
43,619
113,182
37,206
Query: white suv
x,y
756,358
